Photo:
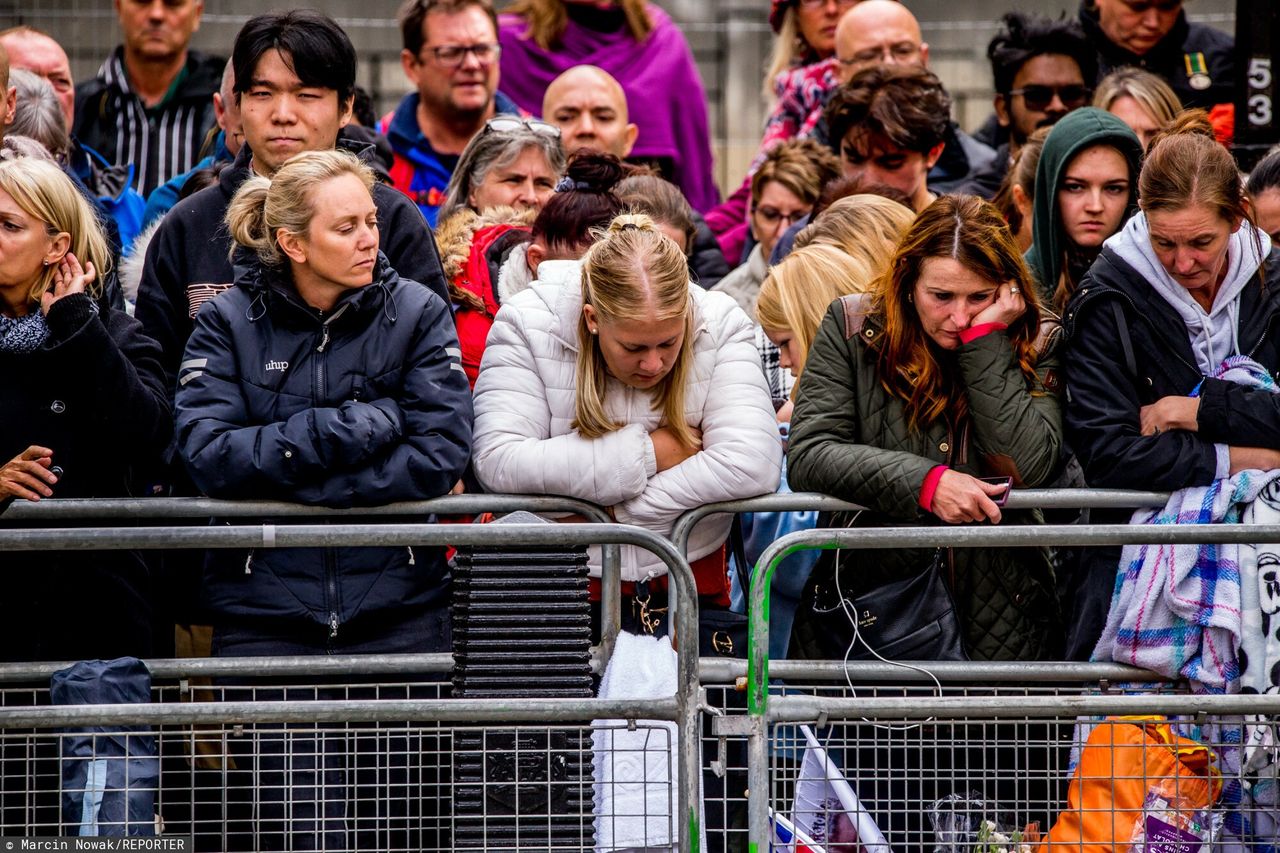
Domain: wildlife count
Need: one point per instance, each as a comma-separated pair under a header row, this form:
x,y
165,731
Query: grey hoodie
x,y
1214,335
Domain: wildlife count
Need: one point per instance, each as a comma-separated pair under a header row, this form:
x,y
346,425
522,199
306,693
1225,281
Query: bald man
x,y
878,32
590,108
36,52
884,32
9,105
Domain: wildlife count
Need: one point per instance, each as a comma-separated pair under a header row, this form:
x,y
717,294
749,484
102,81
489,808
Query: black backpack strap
x,y
1126,344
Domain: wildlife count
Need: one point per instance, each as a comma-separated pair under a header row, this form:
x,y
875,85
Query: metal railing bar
x,y
254,667
507,711
56,509
792,708
1018,499
727,671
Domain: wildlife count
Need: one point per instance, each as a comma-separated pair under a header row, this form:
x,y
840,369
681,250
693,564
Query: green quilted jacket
x,y
849,438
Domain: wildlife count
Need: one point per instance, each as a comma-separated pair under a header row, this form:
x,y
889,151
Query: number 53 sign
x,y
1257,43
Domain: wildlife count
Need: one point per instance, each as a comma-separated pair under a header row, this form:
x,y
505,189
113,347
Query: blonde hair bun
x,y
638,221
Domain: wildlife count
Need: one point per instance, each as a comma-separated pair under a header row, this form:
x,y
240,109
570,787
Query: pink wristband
x,y
930,486
974,332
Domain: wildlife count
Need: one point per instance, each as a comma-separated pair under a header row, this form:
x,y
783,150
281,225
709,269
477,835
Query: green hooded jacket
x,y
1076,131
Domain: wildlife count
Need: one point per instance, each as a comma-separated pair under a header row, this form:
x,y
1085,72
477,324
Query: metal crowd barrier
x,y
681,709
929,734
201,509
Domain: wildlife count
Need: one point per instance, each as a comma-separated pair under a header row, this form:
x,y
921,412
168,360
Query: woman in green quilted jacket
x,y
942,375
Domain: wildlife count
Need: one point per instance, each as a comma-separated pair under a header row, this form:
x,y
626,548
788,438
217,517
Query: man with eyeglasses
x,y
1196,60
1043,69
450,54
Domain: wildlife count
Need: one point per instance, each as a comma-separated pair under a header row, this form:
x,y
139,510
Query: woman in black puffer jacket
x,y
83,407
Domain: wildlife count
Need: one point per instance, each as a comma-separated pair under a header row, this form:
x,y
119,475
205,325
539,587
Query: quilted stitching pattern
x,y
849,438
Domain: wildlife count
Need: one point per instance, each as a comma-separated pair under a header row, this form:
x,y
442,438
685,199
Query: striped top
x,y
161,141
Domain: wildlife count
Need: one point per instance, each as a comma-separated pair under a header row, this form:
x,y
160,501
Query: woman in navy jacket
x,y
323,377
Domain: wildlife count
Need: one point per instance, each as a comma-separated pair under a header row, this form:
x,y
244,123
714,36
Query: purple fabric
x,y
664,92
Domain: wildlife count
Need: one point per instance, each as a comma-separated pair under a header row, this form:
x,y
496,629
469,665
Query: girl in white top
x,y
617,381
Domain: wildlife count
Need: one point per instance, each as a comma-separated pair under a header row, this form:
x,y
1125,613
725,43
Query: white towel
x,y
636,771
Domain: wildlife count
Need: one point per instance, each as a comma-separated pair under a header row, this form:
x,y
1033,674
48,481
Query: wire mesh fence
x,y
1010,783
364,786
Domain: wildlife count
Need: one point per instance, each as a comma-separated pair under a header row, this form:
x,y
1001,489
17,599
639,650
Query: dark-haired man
x,y
889,125
1043,69
1196,60
294,78
151,104
884,32
450,55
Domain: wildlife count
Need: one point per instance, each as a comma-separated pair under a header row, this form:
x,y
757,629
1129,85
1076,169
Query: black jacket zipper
x,y
321,396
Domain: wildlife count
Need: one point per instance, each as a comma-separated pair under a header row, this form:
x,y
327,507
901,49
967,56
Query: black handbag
x,y
912,619
721,633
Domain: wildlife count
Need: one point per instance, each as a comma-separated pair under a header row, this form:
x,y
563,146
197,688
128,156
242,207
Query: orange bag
x,y
1121,761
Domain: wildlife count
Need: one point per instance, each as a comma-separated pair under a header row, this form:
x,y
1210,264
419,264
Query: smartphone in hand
x,y
1007,482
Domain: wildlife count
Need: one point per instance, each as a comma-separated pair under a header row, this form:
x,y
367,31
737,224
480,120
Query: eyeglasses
x,y
453,55
1039,98
772,216
510,124
902,53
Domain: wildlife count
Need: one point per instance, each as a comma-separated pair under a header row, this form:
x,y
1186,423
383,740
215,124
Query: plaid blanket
x,y
1176,609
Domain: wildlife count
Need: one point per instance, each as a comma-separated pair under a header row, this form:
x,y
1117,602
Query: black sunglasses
x,y
1039,98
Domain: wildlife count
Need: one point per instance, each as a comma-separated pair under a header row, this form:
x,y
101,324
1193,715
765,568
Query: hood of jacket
x,y
1214,333
1076,131
455,235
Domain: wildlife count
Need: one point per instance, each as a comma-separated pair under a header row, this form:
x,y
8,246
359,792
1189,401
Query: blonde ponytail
x,y
246,220
263,207
633,269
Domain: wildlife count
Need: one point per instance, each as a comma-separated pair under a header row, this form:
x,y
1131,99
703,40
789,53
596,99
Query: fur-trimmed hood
x,y
454,235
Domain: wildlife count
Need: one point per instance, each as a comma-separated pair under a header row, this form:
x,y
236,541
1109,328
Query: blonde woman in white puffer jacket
x,y
616,381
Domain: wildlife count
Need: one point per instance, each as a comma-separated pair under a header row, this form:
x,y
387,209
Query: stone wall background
x,y
730,38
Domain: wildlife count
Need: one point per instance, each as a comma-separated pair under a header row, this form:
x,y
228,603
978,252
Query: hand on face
x,y
1007,307
68,278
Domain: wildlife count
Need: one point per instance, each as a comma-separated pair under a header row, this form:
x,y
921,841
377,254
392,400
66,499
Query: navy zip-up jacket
x,y
363,405
188,260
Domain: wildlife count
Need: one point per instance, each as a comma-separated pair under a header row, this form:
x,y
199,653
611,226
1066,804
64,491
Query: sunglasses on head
x,y
1039,98
510,124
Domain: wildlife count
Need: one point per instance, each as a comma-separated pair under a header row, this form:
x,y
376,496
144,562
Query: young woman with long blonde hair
x,y
624,384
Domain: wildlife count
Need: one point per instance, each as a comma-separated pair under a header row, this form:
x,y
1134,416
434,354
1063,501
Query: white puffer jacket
x,y
524,404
